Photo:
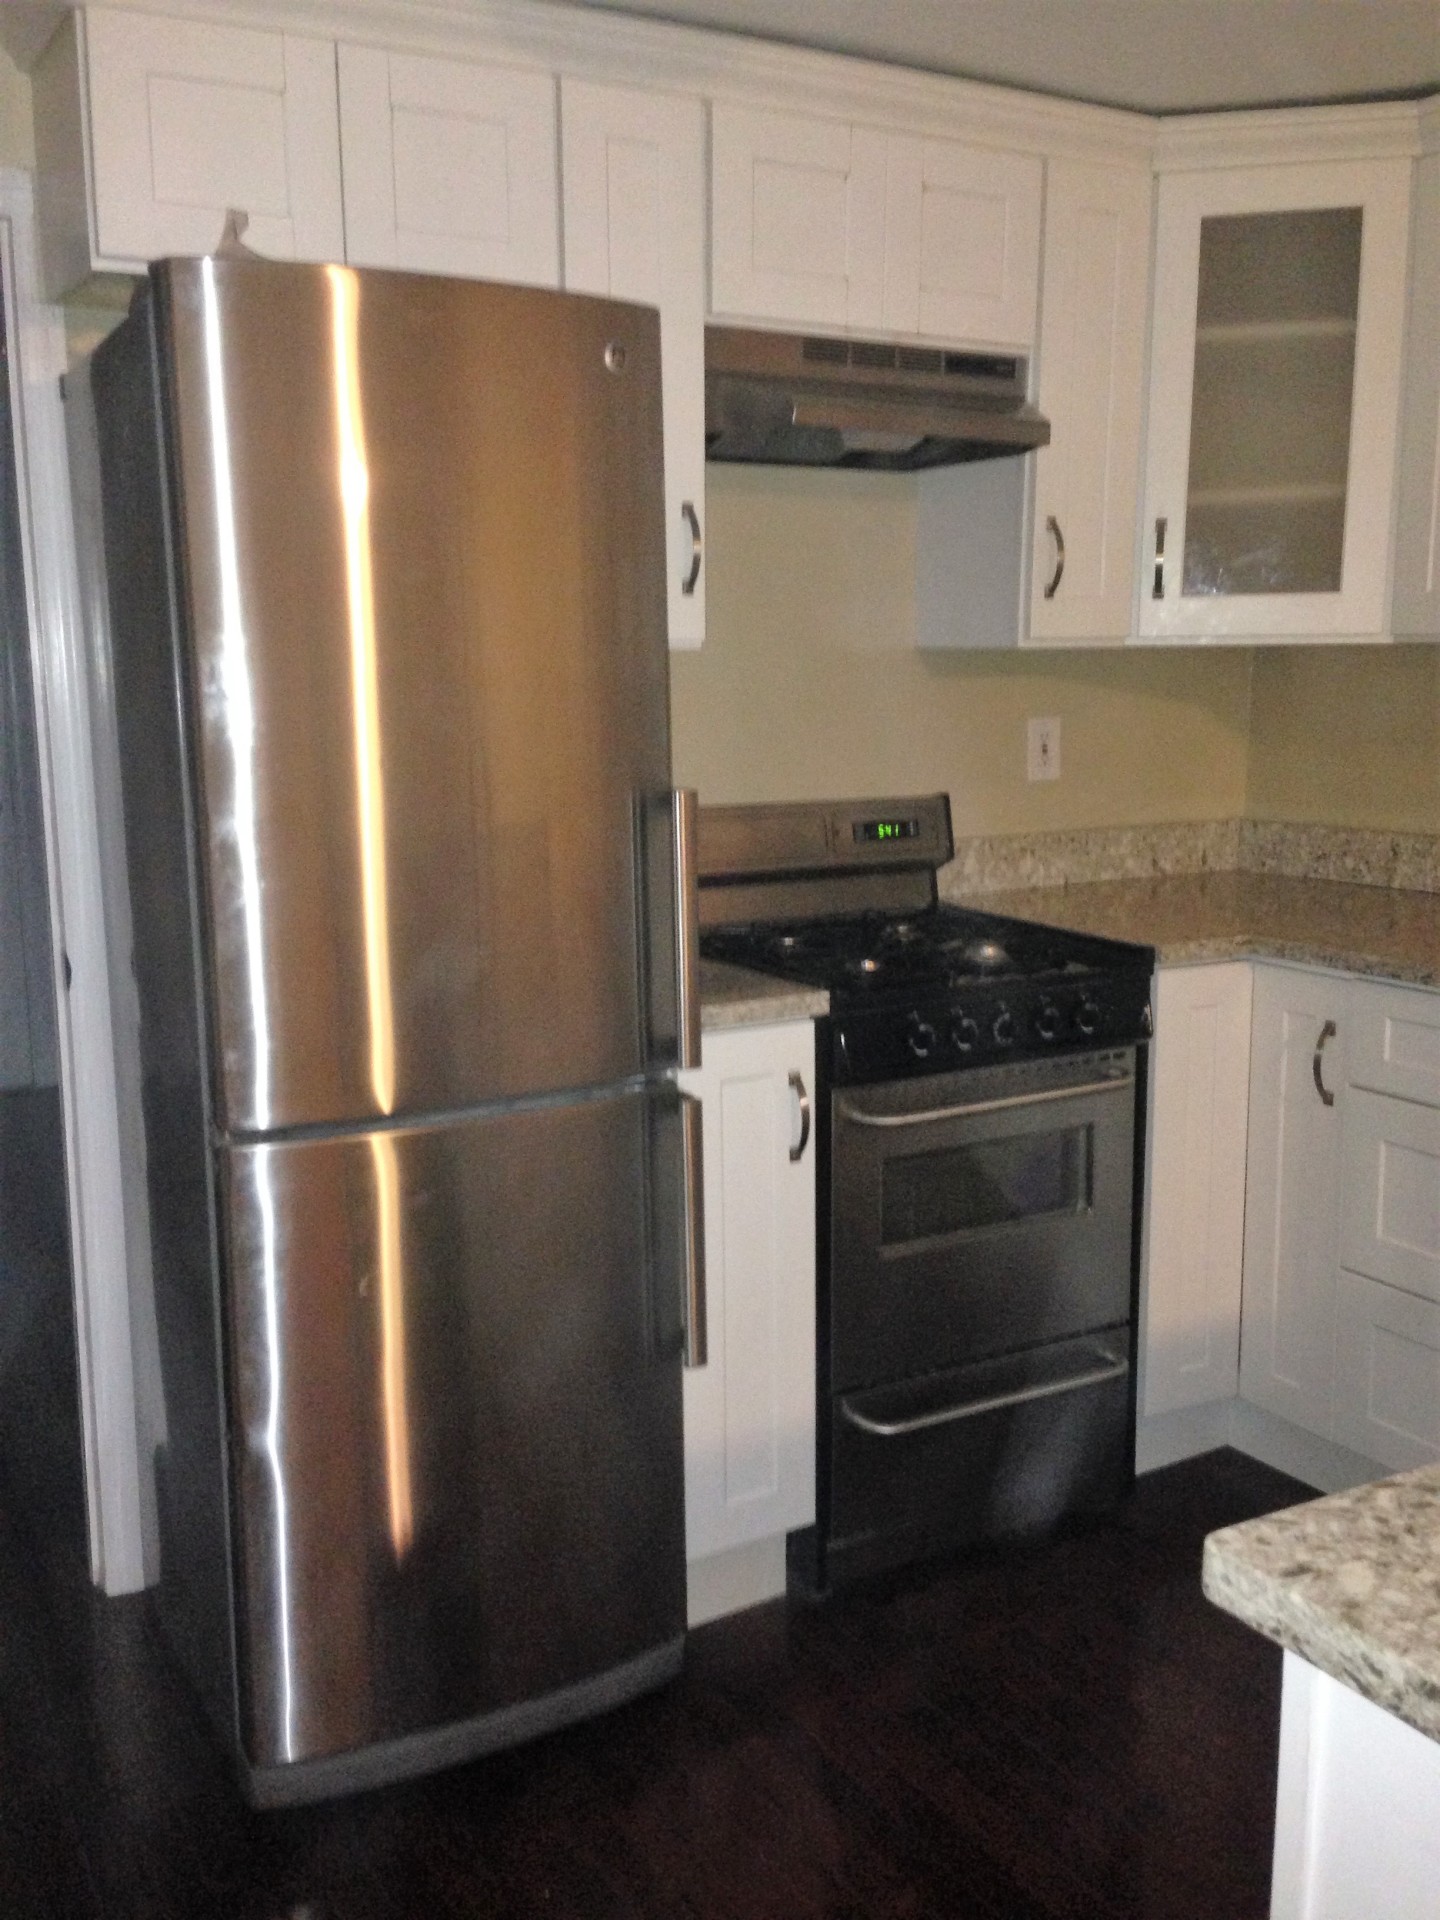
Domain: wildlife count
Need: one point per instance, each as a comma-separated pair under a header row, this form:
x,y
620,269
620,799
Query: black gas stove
x,y
946,987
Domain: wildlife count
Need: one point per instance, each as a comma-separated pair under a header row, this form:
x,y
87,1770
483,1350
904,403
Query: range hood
x,y
798,400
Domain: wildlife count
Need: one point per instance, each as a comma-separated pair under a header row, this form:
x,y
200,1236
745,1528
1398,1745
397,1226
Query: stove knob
x,y
1047,1021
1087,1018
964,1034
1004,1028
922,1037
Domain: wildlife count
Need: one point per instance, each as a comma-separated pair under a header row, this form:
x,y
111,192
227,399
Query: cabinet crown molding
x,y
1366,130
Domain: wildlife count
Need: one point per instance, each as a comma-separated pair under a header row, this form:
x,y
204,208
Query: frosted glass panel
x,y
1270,419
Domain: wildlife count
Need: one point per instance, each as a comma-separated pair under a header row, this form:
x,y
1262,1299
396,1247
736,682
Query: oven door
x,y
978,1213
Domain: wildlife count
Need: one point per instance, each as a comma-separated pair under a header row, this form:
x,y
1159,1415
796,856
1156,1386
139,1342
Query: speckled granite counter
x,y
1191,917
735,997
1352,1584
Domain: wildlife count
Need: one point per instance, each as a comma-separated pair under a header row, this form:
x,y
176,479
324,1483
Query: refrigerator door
x,y
422,625
456,1420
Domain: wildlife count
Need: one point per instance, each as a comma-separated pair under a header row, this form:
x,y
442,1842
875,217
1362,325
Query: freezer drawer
x,y
455,1418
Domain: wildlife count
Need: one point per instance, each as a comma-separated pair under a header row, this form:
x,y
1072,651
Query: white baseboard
x,y
1164,1438
740,1577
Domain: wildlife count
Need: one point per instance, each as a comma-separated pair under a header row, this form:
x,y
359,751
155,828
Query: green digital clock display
x,y
887,829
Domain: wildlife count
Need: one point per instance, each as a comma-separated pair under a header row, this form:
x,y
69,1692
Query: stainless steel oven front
x,y
977,1336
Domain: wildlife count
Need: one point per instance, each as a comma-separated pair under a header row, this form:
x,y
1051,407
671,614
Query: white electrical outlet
x,y
1042,749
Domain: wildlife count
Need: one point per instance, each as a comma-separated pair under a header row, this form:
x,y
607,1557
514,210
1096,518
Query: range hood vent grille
x,y
812,400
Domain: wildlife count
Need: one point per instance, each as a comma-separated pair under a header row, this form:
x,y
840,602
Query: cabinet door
x,y
797,219
1092,379
750,1411
1392,1191
1196,1197
1274,399
1387,1373
1417,529
1394,1042
962,242
449,167
1287,1358
188,119
635,229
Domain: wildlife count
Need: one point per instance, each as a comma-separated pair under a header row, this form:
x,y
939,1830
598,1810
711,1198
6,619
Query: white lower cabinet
x,y
1292,1210
1196,1213
750,1410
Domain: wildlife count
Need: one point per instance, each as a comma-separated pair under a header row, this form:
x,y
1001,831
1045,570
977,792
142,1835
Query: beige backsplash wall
x,y
17,127
809,683
1347,736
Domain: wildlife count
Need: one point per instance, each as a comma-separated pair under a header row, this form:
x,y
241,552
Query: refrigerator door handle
x,y
696,1346
684,812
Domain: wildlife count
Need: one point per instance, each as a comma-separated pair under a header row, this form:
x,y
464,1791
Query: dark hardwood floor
x,y
1064,1730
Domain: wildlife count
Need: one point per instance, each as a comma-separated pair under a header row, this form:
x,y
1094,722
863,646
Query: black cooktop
x,y
863,957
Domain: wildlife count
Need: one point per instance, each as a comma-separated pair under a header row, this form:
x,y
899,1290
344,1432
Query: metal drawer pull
x,y
1054,526
1157,591
968,1409
797,1087
693,1154
697,547
1317,1065
847,1112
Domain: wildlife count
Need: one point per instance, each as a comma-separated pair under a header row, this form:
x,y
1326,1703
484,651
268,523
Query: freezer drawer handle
x,y
932,1114
802,1101
696,1345
1317,1065
684,809
968,1409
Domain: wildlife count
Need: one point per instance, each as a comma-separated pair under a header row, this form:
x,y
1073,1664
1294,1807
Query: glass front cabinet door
x,y
1274,401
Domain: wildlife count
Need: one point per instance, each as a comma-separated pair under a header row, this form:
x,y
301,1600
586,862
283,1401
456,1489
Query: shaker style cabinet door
x,y
449,167
1274,400
1091,389
797,213
1292,1215
750,1411
1417,529
633,170
1196,1190
185,120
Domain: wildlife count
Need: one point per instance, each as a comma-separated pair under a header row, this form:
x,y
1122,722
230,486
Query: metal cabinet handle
x,y
1113,1369
697,547
797,1087
684,814
1054,528
692,1146
1327,1032
1157,591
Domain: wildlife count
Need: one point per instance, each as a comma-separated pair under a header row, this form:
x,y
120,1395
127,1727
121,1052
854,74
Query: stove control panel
x,y
980,1024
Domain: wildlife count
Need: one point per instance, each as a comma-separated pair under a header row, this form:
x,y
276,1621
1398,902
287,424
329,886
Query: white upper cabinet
x,y
1091,389
1417,532
449,166
633,167
1274,400
821,223
180,120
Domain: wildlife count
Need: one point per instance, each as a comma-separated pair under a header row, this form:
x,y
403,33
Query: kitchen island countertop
x,y
735,997
1194,917
1351,1583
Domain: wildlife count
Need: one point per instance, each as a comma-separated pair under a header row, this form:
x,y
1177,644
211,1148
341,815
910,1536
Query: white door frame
x,y
70,807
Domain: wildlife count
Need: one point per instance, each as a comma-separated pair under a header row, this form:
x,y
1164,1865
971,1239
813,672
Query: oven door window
x,y
985,1183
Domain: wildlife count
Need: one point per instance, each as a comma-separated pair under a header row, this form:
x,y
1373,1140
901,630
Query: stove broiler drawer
x,y
1006,1447
978,1214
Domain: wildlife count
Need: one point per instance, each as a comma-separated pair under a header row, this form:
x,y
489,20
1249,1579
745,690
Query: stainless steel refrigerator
x,y
408,883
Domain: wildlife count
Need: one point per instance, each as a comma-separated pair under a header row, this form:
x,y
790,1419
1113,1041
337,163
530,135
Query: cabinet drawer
x,y
1394,1041
1392,1192
1387,1366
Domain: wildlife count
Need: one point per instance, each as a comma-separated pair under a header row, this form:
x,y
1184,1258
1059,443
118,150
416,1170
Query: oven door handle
x,y
931,1114
968,1409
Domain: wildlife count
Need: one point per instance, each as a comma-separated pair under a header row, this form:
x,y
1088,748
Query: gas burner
x,y
980,956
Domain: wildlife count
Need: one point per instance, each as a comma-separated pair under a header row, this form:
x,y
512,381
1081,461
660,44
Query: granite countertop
x,y
1191,917
1352,1584
736,997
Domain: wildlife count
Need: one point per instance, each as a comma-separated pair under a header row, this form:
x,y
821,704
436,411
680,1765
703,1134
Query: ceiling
x,y
1159,56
